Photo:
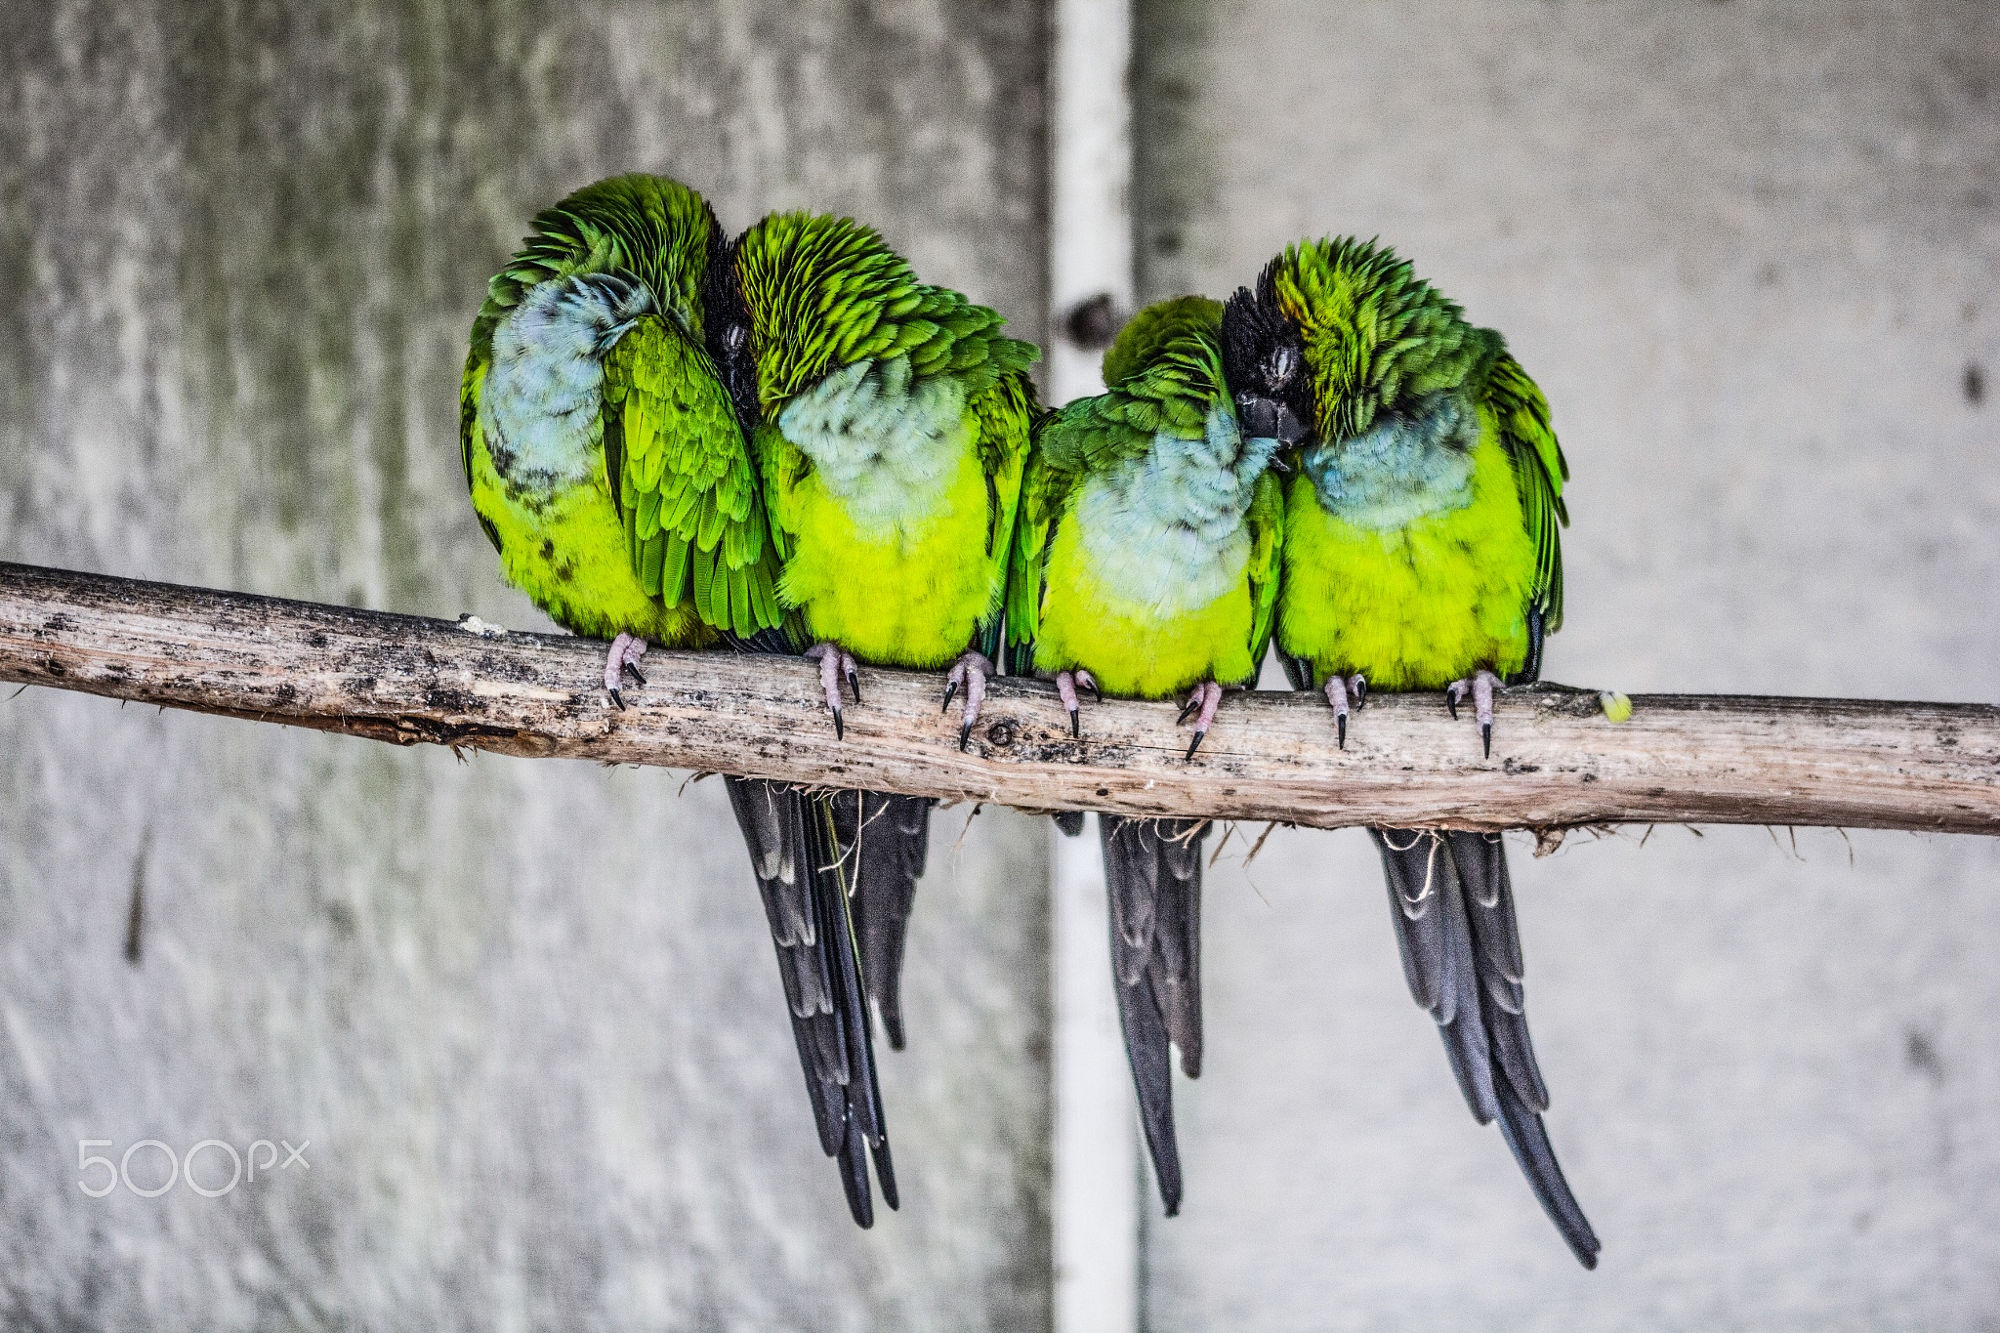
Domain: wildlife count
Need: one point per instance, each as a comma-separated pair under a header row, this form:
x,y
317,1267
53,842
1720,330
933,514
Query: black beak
x,y
1267,418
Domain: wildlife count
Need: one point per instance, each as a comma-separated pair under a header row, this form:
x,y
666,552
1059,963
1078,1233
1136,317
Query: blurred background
x,y
526,1013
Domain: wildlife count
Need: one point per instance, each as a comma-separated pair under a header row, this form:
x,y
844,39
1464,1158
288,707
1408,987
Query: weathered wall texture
x,y
526,1013
1752,251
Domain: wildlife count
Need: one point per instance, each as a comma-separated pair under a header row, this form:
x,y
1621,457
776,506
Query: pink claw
x,y
1201,705
1480,685
835,662
625,652
1339,689
970,671
1067,683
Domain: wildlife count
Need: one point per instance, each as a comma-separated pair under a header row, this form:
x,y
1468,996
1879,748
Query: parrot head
x,y
1339,333
1263,362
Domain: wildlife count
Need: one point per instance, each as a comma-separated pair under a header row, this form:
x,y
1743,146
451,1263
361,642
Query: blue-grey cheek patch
x,y
1166,530
886,442
1407,466
541,404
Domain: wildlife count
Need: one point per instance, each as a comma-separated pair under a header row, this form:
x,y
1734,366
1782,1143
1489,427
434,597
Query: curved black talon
x,y
1486,735
1075,725
1193,706
1095,693
1360,692
633,672
950,689
618,699
839,729
1451,702
1340,725
1195,744
854,683
964,734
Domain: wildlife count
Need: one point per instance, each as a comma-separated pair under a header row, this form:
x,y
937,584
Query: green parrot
x,y
1146,565
606,457
1421,553
890,421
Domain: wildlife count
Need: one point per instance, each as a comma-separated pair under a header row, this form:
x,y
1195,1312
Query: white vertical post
x,y
1097,1170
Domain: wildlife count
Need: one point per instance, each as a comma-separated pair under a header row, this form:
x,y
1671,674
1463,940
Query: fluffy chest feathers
x,y
1165,530
885,445
1406,467
1416,605
541,405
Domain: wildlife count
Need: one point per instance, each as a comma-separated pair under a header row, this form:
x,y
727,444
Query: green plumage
x,y
1176,580
1447,587
895,426
613,477
1421,552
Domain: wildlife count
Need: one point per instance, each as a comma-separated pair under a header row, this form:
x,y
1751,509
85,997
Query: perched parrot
x,y
1146,566
1421,553
890,422
606,457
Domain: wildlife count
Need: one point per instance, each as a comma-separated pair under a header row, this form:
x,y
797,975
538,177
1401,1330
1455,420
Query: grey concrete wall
x,y
526,1013
1752,252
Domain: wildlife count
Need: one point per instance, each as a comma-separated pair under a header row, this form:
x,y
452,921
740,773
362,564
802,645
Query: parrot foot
x,y
834,663
1201,705
1067,684
1340,690
620,662
971,671
1479,686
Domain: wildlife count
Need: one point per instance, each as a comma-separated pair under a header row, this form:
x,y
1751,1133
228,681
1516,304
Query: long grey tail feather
x,y
1452,902
1528,1138
790,839
893,833
1152,869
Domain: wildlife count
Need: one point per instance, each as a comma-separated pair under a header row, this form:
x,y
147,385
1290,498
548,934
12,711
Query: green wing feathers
x,y
1043,489
1267,538
683,483
1007,419
1539,473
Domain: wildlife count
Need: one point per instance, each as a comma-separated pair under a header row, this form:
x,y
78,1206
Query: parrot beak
x,y
1268,418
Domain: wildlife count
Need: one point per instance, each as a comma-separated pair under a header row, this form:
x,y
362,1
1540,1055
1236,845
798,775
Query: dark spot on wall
x,y
1093,322
135,908
1974,383
1921,1055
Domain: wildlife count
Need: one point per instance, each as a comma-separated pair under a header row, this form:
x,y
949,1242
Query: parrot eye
x,y
1284,364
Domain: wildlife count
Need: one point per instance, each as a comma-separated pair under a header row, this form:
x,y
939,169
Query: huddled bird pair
x,y
787,443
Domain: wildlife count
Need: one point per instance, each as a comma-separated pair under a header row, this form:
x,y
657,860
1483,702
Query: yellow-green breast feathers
x,y
1148,543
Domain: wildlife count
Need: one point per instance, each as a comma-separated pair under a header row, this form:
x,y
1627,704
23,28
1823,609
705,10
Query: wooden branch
x,y
1557,761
